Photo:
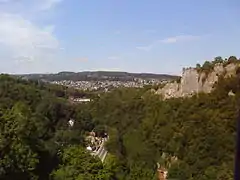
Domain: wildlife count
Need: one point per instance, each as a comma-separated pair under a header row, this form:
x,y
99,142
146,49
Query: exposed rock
x,y
189,82
170,90
194,81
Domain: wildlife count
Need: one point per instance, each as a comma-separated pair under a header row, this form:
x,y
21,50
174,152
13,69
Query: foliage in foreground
x,y
34,128
77,164
194,138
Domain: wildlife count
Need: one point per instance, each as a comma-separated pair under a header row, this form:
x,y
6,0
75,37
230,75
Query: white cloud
x,y
83,59
145,48
48,4
169,40
181,38
29,5
113,57
26,40
21,38
31,10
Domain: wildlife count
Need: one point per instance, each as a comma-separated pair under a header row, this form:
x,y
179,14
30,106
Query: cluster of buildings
x,y
93,142
107,85
95,145
79,100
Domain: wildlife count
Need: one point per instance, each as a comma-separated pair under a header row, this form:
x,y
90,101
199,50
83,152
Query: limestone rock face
x,y
189,82
193,82
170,90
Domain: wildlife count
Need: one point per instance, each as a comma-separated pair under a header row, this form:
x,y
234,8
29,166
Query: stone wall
x,y
193,81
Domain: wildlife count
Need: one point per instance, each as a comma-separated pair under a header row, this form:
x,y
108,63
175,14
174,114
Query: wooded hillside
x,y
193,138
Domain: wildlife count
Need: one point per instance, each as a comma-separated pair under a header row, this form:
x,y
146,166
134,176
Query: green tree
x,y
218,59
78,164
17,157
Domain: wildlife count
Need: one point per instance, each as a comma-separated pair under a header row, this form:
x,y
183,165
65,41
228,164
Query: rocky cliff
x,y
194,80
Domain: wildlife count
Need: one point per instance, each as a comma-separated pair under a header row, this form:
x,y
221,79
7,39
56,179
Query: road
x,y
102,152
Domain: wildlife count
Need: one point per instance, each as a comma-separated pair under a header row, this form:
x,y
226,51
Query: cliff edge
x,y
200,79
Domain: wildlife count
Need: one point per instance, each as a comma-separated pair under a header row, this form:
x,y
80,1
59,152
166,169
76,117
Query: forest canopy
x,y
192,138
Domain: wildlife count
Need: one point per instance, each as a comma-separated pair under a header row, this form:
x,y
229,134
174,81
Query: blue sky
x,y
159,36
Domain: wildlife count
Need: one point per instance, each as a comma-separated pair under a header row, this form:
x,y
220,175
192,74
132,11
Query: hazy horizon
x,y
92,71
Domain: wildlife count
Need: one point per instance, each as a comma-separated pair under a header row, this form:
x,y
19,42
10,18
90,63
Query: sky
x,y
154,36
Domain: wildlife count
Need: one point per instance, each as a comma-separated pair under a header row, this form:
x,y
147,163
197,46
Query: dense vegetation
x,y
35,137
198,131
194,138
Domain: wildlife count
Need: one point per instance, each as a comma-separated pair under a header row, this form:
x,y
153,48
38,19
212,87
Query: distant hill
x,y
96,75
